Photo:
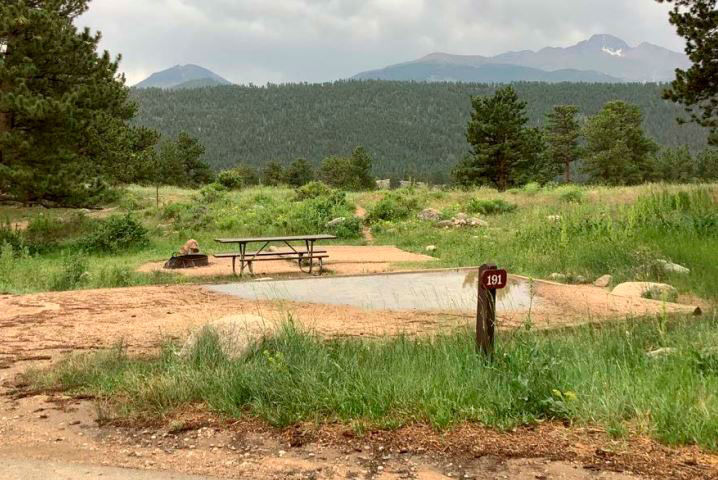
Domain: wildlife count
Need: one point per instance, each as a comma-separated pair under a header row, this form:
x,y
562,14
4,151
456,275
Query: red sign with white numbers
x,y
494,279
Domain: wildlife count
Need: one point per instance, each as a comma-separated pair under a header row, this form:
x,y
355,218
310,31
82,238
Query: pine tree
x,y
562,134
697,22
273,174
299,173
190,152
63,108
361,164
498,136
617,151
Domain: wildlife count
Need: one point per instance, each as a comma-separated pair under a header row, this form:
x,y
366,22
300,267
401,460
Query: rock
x,y
554,218
336,222
445,224
429,215
461,216
383,184
651,290
603,281
236,334
558,277
477,222
431,248
673,267
579,279
661,352
459,222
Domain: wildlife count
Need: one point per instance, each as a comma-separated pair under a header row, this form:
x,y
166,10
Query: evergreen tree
x,y
361,164
562,134
63,108
189,152
697,22
273,174
299,173
498,136
617,151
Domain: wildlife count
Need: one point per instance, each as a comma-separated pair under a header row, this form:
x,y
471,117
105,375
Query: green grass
x,y
619,231
589,375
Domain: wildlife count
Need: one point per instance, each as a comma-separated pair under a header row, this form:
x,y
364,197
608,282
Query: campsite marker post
x,y
491,278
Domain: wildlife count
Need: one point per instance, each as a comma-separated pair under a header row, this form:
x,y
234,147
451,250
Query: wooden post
x,y
485,314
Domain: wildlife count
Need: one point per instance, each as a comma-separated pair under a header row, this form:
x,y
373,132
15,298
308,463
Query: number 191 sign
x,y
494,279
490,280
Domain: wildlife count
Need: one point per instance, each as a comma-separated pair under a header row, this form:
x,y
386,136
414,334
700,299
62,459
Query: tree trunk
x,y
568,172
157,195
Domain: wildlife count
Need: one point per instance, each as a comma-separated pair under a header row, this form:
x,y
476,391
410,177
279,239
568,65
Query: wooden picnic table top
x,y
294,238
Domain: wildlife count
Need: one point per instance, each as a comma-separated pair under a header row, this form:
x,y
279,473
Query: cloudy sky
x,y
262,41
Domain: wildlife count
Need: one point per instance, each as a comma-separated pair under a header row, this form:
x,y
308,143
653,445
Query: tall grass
x,y
598,375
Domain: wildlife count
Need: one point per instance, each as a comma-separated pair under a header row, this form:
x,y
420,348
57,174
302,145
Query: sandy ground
x,y
343,260
52,436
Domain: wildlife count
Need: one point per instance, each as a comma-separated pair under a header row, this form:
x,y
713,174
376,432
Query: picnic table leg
x,y
242,250
310,248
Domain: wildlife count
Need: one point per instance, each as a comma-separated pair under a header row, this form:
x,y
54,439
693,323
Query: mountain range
x,y
602,58
183,76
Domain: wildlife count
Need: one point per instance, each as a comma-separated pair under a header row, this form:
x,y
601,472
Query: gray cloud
x,y
263,41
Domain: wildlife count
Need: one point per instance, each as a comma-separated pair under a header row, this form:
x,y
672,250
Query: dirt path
x,y
366,230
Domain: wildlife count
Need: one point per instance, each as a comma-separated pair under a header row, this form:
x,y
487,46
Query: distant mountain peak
x,y
601,58
182,75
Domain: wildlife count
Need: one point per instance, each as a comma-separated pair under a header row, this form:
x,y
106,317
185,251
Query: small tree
x,y
497,134
361,164
336,171
697,22
273,174
617,151
562,134
189,154
299,173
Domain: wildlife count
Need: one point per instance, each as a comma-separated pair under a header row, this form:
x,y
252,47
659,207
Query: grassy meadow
x,y
534,231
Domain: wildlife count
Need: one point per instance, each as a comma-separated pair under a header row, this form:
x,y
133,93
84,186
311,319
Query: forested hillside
x,y
411,129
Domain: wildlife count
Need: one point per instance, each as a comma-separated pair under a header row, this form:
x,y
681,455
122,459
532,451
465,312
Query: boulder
x,y
445,224
673,267
477,222
336,222
579,279
236,334
558,277
429,215
651,290
603,281
384,184
431,248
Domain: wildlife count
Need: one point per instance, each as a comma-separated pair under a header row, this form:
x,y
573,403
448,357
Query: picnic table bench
x,y
304,257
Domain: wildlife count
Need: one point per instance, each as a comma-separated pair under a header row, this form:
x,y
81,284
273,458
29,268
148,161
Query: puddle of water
x,y
446,291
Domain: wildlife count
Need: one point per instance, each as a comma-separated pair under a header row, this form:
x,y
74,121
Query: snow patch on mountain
x,y
612,52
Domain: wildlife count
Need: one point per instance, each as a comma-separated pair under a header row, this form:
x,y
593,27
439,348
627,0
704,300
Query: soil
x,y
343,260
49,436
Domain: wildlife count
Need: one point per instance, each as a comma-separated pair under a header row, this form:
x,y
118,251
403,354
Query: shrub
x,y
114,276
350,228
45,232
71,275
116,233
10,235
312,190
531,188
394,206
237,178
212,193
570,194
490,207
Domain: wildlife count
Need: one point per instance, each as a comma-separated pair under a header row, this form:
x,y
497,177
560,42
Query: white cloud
x,y
322,40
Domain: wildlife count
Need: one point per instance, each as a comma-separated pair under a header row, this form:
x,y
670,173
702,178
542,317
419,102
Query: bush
x,y
570,194
312,190
10,236
531,188
350,228
237,178
212,193
394,206
490,207
116,233
45,232
71,275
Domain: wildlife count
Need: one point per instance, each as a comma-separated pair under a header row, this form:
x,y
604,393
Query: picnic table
x,y
246,259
